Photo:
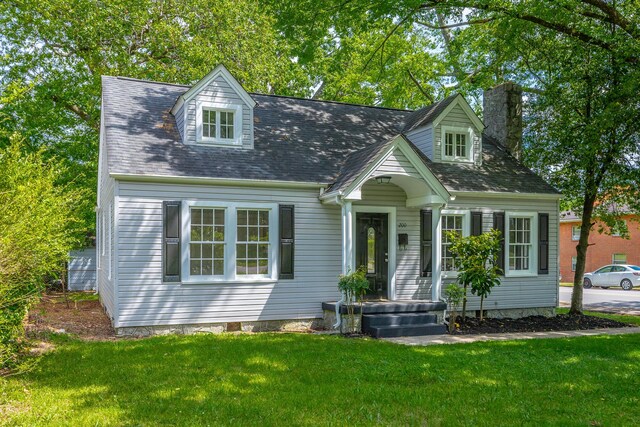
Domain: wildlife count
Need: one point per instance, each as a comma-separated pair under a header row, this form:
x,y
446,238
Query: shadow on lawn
x,y
305,379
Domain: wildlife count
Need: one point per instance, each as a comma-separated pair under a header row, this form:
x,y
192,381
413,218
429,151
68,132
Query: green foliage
x,y
38,226
454,295
475,257
353,287
576,59
53,53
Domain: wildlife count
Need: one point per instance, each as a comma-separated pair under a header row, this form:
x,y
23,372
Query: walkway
x,y
460,339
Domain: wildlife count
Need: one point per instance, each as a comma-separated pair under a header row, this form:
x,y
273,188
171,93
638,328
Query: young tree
x,y
475,258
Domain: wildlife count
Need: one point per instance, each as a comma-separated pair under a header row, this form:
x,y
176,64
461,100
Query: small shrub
x,y
475,257
453,295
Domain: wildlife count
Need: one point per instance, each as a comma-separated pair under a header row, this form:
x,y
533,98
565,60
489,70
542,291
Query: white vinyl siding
x,y
104,281
456,121
219,95
422,138
517,291
145,300
397,163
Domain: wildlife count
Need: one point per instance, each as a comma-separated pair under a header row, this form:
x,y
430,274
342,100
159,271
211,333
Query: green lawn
x,y
634,320
296,379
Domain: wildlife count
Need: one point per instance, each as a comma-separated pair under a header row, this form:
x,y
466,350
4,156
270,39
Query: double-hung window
x,y
456,221
229,242
207,244
252,254
521,244
218,123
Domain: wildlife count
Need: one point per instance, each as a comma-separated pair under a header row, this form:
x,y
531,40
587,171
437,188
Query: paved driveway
x,y
612,300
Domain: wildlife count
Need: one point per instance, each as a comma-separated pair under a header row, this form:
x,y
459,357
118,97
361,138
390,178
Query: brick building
x,y
605,249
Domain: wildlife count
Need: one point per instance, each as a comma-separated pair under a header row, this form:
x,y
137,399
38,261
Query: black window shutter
x,y
476,223
171,242
287,238
543,243
426,240
498,224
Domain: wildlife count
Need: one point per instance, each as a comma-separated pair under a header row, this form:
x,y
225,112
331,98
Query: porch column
x,y
347,237
436,253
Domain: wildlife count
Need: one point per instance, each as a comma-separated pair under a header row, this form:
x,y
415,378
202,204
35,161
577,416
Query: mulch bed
x,y
85,319
560,322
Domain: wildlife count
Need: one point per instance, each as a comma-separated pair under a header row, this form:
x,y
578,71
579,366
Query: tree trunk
x,y
481,308
581,252
464,306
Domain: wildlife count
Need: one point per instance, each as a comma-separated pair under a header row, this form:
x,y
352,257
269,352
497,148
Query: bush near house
x,y
38,227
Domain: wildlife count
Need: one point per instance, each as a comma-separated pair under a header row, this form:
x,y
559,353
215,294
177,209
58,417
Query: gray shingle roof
x,y
426,115
295,140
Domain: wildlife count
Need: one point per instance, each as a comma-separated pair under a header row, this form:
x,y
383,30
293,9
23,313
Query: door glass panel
x,y
371,250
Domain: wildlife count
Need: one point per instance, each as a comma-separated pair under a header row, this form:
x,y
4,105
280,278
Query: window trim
x,y
230,239
574,262
109,236
219,107
533,258
575,238
466,232
613,259
469,157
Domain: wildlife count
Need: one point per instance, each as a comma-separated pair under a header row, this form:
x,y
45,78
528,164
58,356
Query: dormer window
x,y
218,123
457,144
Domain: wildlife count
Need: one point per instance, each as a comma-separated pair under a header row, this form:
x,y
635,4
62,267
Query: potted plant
x,y
353,286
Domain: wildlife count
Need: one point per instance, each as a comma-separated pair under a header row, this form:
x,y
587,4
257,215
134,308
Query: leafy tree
x,y
53,52
38,226
577,60
475,258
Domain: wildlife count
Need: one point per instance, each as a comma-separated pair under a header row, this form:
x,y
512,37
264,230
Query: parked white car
x,y
623,275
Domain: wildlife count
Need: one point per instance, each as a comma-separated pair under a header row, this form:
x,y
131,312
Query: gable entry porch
x,y
390,208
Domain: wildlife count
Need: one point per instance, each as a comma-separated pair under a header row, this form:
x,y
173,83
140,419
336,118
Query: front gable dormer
x,y
216,111
448,131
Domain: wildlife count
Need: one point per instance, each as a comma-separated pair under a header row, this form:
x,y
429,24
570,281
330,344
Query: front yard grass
x,y
624,318
297,379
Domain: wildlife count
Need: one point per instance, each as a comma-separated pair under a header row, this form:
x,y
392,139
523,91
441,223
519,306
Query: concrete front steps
x,y
391,319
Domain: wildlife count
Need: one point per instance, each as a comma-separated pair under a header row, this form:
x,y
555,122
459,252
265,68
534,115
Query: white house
x,y
219,209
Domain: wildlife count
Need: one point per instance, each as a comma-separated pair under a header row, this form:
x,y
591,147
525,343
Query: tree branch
x,y
420,88
459,24
77,111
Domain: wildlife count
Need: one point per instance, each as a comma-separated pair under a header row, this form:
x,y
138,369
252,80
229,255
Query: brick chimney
x,y
502,108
